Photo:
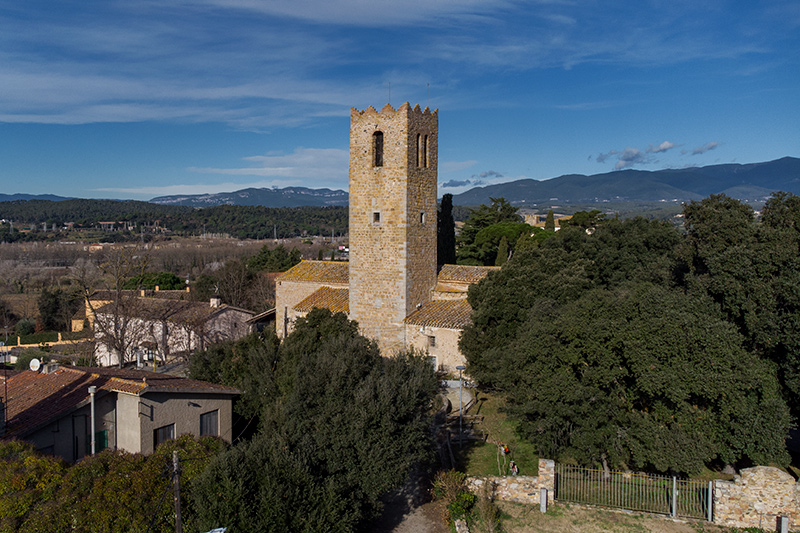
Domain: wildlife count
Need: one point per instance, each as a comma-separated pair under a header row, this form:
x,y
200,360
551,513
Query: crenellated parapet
x,y
388,109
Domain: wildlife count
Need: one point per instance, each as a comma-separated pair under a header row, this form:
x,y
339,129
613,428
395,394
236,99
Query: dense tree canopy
x,y
165,281
57,306
277,259
470,252
340,426
110,492
244,222
631,345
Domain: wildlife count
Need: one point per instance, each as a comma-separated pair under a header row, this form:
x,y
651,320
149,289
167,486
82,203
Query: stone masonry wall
x,y
756,498
392,219
446,351
521,489
287,295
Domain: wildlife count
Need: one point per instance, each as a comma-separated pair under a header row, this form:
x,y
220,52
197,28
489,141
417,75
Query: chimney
x,y
216,301
158,288
141,293
50,368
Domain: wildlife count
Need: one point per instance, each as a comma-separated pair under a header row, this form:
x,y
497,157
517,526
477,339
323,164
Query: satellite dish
x,y
35,364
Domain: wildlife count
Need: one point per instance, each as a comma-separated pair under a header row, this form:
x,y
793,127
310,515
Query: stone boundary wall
x,y
757,498
520,489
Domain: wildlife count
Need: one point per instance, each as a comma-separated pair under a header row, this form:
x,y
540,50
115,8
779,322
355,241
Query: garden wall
x,y
521,489
757,498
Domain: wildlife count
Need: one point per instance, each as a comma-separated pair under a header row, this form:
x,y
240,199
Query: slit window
x,y
422,217
377,149
376,217
424,151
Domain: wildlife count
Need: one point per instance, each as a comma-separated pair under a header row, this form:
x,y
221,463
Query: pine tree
x,y
502,252
446,231
550,221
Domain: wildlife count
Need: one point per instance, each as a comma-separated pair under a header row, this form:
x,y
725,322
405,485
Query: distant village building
x,y
390,285
135,410
160,329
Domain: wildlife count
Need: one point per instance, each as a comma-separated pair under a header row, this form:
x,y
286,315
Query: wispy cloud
x,y
372,13
705,148
260,63
306,163
192,188
455,183
632,156
663,147
476,180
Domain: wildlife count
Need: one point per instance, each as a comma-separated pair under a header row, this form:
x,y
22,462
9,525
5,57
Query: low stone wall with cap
x,y
520,489
757,498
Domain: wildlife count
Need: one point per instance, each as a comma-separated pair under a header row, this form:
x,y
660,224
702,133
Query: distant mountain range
x,y
26,197
751,182
286,197
748,182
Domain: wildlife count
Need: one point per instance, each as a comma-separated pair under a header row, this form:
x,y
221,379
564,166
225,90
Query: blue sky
x,y
137,99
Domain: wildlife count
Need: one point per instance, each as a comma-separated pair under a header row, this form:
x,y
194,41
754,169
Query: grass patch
x,y
482,458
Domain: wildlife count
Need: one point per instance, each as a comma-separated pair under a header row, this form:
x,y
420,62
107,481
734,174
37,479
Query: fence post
x,y
543,500
710,501
674,496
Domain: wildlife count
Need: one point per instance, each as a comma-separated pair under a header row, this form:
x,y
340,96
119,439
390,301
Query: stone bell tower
x,y
393,162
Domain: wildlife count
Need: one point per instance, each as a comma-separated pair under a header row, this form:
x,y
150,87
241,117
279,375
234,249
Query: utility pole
x,y
460,369
176,481
92,391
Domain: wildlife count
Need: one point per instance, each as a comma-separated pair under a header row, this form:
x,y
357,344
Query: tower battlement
x,y
389,109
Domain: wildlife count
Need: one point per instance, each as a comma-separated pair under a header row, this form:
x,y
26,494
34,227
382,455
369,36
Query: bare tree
x,y
114,312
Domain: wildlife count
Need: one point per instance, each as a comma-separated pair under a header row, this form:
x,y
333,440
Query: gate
x,y
636,492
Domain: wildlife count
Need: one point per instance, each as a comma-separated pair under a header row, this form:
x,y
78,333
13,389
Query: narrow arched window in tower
x,y
425,151
377,148
419,150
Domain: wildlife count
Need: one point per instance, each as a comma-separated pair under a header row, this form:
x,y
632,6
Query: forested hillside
x,y
633,344
245,222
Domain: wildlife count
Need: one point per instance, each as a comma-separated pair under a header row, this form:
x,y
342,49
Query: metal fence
x,y
636,492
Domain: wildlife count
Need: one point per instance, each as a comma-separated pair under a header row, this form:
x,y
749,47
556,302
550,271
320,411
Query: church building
x,y
390,285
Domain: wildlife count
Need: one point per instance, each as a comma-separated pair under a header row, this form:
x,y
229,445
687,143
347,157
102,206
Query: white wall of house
x,y
170,338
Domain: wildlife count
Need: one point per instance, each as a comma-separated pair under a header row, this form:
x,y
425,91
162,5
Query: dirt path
x,y
409,510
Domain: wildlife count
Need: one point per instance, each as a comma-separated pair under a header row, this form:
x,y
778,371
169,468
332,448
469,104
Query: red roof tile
x,y
36,398
464,273
318,271
451,314
337,300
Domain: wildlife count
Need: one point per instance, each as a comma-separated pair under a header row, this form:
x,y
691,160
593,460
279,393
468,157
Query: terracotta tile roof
x,y
337,300
36,398
464,273
318,271
452,314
